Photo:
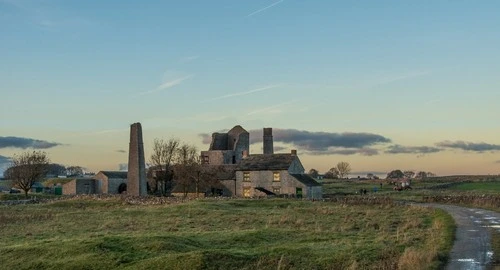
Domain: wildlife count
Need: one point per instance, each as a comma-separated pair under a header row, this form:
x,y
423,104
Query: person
x,y
380,186
364,191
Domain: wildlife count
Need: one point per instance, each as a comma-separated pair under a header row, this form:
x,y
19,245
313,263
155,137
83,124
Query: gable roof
x,y
263,162
115,174
306,179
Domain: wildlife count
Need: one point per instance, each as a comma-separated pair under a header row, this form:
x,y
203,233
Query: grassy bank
x,y
222,234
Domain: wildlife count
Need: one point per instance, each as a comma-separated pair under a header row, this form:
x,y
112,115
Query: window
x,y
276,176
276,190
246,176
246,192
206,160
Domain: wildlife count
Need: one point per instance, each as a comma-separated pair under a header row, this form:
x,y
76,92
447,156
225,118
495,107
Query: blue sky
x,y
419,73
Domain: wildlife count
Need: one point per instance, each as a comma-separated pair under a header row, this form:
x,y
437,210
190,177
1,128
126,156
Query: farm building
x,y
258,175
104,182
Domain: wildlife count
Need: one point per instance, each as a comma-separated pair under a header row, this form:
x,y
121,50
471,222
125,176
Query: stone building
x,y
275,174
111,182
227,148
104,182
246,175
79,186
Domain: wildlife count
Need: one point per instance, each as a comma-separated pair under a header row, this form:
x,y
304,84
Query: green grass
x,y
222,234
489,187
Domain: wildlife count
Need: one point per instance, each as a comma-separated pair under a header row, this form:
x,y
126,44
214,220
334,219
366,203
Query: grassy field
x,y
223,234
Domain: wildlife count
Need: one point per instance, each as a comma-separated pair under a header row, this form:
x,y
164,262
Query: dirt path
x,y
472,247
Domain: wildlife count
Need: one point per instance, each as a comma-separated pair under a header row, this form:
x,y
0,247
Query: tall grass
x,y
222,234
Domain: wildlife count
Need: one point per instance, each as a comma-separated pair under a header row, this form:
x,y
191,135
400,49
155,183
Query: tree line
x,y
178,164
340,171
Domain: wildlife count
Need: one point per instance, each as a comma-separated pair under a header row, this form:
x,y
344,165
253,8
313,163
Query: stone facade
x,y
111,182
259,175
136,178
291,182
79,186
227,148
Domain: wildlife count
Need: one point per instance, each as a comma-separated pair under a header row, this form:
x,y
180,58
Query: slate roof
x,y
115,174
305,179
265,162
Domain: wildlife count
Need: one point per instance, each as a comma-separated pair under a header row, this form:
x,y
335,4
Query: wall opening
x,y
122,188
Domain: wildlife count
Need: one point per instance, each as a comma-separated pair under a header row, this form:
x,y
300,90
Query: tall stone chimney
x,y
268,141
136,176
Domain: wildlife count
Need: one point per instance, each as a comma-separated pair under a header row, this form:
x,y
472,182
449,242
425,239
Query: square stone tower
x,y
136,176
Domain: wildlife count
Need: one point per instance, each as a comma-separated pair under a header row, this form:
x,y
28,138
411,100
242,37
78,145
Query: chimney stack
x,y
293,152
268,141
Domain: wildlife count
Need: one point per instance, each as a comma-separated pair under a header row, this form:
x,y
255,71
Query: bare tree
x,y
27,168
164,153
313,173
409,174
74,171
186,169
344,168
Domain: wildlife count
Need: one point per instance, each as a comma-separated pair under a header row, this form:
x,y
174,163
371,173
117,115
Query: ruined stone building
x,y
258,175
227,148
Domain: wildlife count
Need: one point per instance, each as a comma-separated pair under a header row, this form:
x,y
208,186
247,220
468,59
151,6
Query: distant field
x,y
478,186
223,234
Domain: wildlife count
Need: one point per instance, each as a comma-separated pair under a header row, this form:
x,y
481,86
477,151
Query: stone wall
x,y
80,186
219,141
114,183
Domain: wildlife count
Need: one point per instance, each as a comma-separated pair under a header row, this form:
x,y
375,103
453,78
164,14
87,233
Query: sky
x,y
383,85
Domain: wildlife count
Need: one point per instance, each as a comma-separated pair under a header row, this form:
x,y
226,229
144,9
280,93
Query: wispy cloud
x,y
402,76
260,89
121,151
24,143
400,149
264,8
168,84
498,161
469,146
270,109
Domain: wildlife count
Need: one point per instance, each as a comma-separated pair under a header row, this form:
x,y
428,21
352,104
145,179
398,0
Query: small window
x,y
246,192
276,176
206,160
246,176
276,190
